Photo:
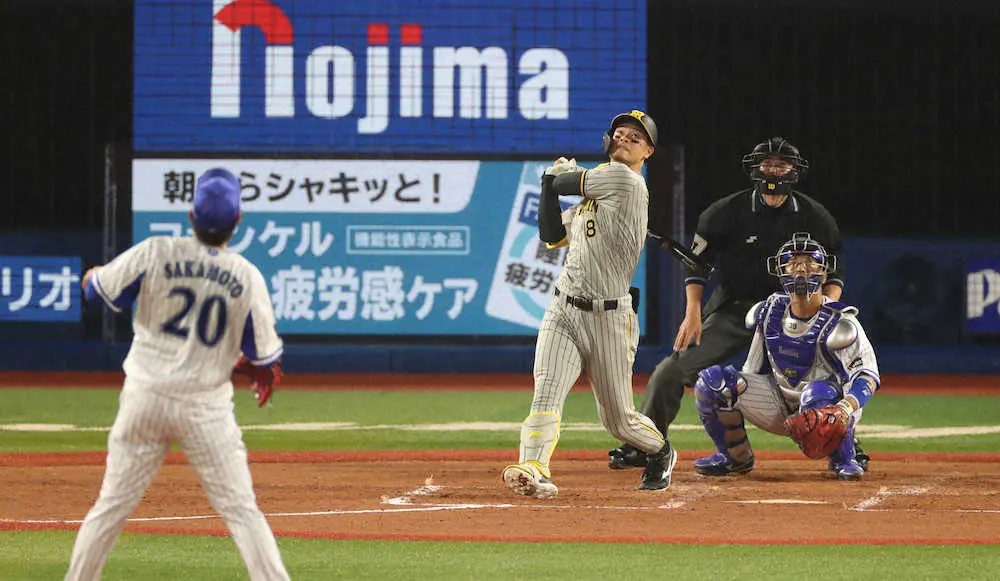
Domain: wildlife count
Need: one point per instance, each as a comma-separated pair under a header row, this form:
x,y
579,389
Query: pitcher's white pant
x,y
602,342
146,424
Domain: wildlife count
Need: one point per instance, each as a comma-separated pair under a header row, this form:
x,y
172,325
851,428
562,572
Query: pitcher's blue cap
x,y
216,200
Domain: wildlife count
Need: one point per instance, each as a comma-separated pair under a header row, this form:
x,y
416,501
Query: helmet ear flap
x,y
608,137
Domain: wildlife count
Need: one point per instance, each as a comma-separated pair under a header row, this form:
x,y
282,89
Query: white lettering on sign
x,y
331,77
983,290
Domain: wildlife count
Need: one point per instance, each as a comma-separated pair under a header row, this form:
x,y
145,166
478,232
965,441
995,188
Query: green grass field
x,y
380,421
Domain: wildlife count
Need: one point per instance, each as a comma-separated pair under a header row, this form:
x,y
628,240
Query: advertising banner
x,y
40,288
982,304
385,76
361,247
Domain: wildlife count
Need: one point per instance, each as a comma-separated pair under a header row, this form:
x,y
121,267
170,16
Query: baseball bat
x,y
683,253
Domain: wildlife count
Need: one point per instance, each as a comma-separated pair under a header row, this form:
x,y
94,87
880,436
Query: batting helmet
x,y
645,121
780,148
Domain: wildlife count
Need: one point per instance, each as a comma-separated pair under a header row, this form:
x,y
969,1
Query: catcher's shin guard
x,y
725,427
734,456
539,436
844,462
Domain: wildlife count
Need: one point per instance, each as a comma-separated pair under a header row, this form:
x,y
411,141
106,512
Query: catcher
x,y
809,372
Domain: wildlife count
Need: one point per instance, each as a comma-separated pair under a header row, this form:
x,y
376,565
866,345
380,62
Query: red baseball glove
x,y
818,432
264,379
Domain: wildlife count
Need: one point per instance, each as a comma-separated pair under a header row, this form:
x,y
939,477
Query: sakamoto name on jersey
x,y
224,278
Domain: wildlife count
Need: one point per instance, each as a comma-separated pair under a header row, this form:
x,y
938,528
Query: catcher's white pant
x,y
146,424
764,405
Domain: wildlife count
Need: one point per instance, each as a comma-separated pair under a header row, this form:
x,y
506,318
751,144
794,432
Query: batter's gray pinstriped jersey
x,y
198,308
607,233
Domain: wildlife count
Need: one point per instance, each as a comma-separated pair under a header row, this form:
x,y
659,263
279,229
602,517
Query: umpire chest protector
x,y
794,345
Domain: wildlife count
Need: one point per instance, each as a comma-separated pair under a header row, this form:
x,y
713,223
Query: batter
x,y
591,324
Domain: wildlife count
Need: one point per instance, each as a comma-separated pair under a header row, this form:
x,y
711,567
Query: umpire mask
x,y
768,181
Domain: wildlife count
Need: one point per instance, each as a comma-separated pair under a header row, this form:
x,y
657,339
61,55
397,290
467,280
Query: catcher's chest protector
x,y
794,346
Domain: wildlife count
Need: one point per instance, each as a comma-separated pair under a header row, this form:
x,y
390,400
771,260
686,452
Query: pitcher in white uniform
x,y
198,307
590,324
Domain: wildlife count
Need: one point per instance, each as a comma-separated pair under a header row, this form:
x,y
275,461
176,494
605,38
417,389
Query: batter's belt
x,y
588,304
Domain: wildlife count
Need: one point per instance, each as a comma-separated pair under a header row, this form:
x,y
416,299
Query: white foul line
x,y
884,493
959,510
422,508
268,515
404,503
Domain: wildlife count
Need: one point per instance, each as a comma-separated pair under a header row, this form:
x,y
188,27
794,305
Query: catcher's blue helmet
x,y
794,280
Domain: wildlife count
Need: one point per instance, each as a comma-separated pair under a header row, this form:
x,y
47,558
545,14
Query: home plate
x,y
777,501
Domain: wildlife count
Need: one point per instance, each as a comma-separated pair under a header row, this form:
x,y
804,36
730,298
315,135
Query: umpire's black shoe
x,y
626,457
659,467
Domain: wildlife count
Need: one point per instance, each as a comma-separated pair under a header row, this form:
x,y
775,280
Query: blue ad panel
x,y
922,291
39,288
982,304
385,76
380,248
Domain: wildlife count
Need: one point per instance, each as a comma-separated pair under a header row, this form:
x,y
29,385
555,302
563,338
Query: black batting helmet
x,y
645,121
781,148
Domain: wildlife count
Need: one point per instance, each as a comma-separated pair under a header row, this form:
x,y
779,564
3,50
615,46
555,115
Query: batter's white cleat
x,y
526,480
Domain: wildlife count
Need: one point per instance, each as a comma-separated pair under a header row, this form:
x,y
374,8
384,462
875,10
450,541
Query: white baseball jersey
x,y
785,355
600,264
198,308
841,365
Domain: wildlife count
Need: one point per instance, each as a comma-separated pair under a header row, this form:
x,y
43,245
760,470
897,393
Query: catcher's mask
x,y
801,265
775,148
645,121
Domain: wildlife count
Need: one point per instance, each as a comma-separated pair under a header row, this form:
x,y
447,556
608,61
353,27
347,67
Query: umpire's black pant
x,y
723,335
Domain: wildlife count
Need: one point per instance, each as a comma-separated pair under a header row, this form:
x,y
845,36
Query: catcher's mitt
x,y
264,378
818,432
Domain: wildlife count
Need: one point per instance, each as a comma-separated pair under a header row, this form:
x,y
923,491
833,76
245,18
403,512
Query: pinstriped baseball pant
x,y
146,424
604,344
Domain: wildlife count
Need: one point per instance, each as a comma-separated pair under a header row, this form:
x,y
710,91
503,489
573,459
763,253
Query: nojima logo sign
x,y
383,76
331,74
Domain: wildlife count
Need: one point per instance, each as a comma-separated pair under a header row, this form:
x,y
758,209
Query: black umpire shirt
x,y
739,232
